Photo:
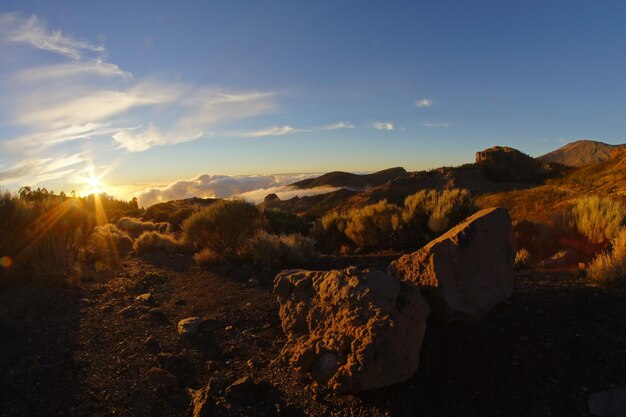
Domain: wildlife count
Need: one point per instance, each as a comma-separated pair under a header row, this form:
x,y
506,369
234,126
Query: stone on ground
x,y
189,326
351,330
468,270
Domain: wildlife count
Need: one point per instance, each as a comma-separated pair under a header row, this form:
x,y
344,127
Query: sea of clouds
x,y
250,187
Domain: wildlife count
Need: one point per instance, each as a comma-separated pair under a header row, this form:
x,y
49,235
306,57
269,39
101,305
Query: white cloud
x,y
424,102
37,170
436,125
284,193
272,131
32,31
140,140
383,125
339,125
95,68
216,186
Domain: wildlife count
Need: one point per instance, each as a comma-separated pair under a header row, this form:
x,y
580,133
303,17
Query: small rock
x,y
129,311
245,391
144,298
608,403
210,365
161,378
254,282
252,363
189,326
200,402
151,343
228,328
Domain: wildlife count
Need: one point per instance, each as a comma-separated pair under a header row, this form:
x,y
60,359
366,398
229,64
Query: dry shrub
x,y
610,267
437,210
282,222
223,227
107,244
599,219
135,227
207,257
280,251
150,242
373,226
522,258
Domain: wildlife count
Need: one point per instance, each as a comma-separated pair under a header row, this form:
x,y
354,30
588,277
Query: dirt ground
x,y
87,351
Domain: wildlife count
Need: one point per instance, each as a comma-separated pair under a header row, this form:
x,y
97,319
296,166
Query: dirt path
x,y
88,351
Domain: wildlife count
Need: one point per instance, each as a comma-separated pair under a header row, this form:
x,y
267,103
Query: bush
x,y
437,211
107,244
207,257
522,259
135,227
610,266
273,251
150,242
282,222
223,227
599,219
373,225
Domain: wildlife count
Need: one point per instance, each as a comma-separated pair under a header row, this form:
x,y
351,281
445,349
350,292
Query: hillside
x,y
349,180
580,153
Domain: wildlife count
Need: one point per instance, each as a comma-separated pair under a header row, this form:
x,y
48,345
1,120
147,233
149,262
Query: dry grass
x,y
152,242
135,227
280,251
107,245
610,266
223,227
599,219
207,257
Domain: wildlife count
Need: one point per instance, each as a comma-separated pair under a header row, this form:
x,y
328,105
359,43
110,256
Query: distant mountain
x,y
581,153
349,180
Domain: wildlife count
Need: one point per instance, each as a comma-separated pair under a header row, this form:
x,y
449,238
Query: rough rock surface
x,y
504,164
351,330
189,326
468,270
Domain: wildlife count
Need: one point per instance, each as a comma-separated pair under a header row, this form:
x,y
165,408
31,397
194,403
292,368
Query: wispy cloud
x,y
339,125
424,102
436,125
272,131
32,31
383,125
42,169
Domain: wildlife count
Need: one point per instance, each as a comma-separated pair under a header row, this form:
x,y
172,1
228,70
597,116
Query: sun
x,y
94,185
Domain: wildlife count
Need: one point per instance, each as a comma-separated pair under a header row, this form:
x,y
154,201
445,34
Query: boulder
x,y
161,378
608,403
468,270
351,330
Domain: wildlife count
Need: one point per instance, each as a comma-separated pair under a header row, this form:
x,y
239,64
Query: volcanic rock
x,y
351,330
468,270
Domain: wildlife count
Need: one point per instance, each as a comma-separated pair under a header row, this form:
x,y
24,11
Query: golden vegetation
x,y
610,266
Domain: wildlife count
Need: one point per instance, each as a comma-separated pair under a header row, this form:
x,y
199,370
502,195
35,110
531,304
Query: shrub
x,y
107,244
224,226
135,227
274,251
329,232
150,242
373,225
282,222
599,219
437,211
522,258
610,266
207,257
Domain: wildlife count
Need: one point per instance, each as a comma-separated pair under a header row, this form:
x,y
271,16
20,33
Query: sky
x,y
162,99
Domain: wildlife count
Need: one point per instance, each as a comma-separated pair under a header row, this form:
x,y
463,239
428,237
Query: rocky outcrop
x,y
468,270
351,330
504,164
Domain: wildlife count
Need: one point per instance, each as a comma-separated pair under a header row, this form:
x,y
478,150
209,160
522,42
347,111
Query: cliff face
x,y
504,164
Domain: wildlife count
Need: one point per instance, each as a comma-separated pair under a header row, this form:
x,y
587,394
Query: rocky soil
x,y
112,347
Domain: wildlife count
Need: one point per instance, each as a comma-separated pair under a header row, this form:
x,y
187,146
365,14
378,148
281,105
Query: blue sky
x,y
153,93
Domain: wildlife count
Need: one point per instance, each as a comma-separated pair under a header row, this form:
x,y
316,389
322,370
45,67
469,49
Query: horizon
x,y
127,99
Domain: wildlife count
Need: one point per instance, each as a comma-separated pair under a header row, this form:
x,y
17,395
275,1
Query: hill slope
x,y
580,153
349,180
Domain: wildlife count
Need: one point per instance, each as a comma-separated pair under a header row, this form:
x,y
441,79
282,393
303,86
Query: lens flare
x,y
5,262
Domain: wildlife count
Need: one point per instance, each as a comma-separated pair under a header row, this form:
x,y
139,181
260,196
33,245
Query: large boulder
x,y
468,270
351,330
